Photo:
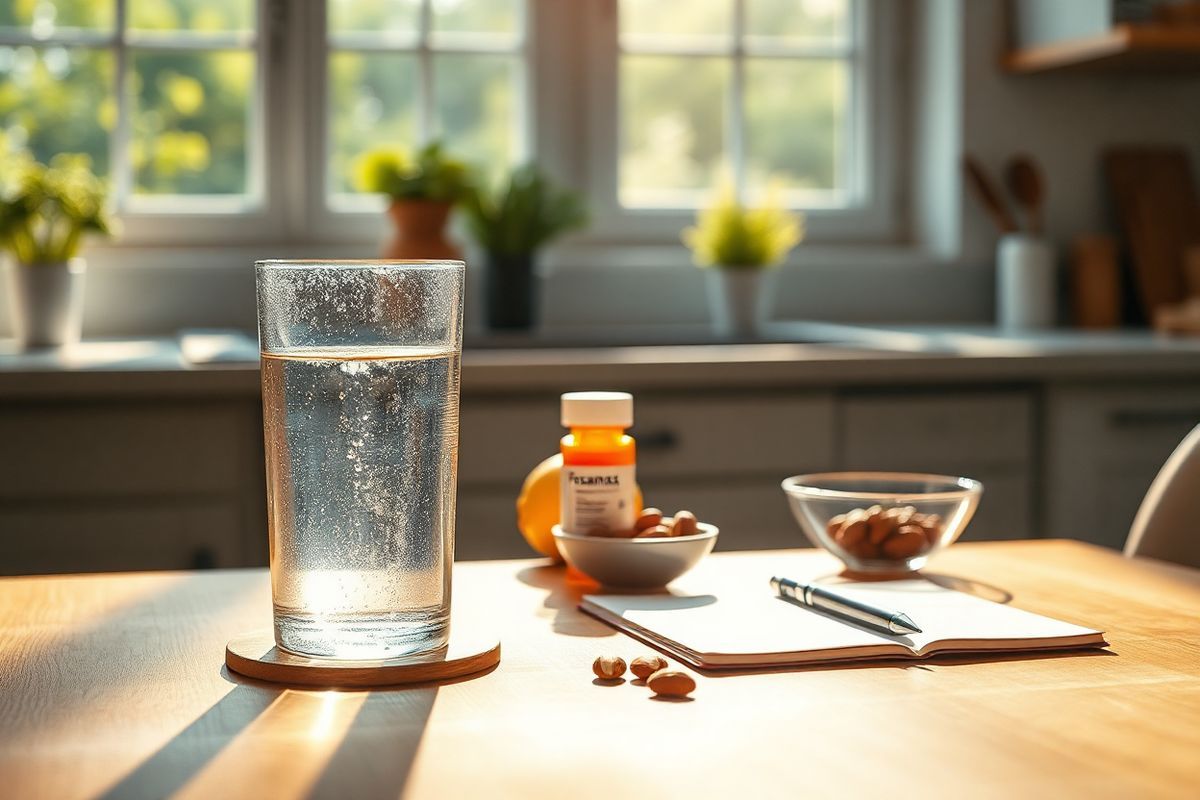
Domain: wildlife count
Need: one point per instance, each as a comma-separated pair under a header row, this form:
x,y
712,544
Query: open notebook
x,y
751,628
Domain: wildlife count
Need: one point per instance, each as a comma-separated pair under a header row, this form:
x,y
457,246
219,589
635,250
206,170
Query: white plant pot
x,y
1026,283
46,302
737,299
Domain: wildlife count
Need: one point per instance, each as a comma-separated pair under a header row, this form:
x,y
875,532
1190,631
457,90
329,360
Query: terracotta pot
x,y
420,231
46,302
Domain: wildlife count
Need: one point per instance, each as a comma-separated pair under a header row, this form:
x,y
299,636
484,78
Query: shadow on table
x,y
78,663
368,741
379,748
987,591
562,598
176,762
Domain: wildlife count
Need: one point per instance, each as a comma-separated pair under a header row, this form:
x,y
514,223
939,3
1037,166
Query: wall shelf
x,y
1126,47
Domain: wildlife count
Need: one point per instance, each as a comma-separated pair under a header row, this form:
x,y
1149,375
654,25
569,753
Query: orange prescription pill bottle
x,y
598,480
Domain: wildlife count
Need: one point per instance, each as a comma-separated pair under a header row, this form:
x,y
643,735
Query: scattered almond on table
x,y
654,670
645,666
896,533
671,683
608,668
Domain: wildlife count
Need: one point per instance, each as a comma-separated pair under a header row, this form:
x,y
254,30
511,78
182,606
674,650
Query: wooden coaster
x,y
255,655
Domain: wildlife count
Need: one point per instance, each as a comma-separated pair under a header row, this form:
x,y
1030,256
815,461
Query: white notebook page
x,y
753,621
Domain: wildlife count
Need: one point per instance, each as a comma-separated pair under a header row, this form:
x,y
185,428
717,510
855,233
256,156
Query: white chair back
x,y
1167,525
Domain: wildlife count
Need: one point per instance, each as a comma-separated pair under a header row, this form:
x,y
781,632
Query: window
x,y
239,121
182,133
758,88
688,93
408,71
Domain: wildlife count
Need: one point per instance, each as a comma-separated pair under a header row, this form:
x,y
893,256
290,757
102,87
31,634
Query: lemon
x,y
539,506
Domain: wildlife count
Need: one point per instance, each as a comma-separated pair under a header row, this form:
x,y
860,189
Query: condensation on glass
x,y
360,373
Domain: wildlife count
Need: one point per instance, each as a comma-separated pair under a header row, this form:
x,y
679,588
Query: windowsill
x,y
556,260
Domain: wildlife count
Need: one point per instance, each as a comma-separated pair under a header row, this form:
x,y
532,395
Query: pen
x,y
821,598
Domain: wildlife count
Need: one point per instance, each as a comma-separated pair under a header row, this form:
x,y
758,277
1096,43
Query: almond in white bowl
x,y
641,562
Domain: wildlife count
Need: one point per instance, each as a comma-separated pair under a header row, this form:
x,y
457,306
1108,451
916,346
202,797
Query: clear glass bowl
x,y
882,521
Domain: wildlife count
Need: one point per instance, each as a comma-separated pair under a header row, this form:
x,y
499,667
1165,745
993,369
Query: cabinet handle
x,y
655,441
204,558
1149,418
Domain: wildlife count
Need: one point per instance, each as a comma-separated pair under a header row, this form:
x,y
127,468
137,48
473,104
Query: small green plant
x,y
731,236
45,210
523,215
429,174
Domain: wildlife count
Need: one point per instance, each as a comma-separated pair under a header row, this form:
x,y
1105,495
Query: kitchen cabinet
x,y
132,478
1104,445
721,455
986,435
101,485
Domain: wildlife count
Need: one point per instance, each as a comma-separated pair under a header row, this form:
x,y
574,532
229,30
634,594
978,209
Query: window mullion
x,y
425,73
119,142
737,91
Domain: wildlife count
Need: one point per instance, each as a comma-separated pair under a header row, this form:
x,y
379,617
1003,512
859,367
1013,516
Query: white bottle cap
x,y
597,409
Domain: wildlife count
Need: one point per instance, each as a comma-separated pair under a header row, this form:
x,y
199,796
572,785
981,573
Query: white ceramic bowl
x,y
635,563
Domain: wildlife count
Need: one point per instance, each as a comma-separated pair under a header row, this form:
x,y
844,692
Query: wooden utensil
x,y
1024,179
1156,203
988,195
1095,281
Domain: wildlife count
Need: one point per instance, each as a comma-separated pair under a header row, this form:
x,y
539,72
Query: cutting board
x,y
1156,204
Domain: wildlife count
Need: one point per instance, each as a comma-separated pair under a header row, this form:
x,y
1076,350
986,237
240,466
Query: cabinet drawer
x,y
499,441
486,527
181,535
1105,444
128,449
914,433
750,518
1006,509
678,435
726,437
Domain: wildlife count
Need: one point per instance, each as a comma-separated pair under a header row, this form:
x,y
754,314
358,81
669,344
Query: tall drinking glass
x,y
360,369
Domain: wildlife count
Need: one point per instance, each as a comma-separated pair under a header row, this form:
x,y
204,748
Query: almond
x,y
906,542
684,524
649,518
608,668
645,666
671,683
853,531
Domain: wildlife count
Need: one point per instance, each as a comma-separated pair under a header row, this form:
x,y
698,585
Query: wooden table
x,y
113,686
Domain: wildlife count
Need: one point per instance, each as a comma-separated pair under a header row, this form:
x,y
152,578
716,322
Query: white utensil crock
x,y
1026,283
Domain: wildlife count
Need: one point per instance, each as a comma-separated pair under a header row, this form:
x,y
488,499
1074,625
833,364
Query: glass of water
x,y
360,370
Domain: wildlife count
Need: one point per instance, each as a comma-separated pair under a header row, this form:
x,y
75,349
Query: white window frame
x,y
182,219
568,113
350,218
871,215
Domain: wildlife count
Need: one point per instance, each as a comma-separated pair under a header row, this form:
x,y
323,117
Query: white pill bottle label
x,y
597,499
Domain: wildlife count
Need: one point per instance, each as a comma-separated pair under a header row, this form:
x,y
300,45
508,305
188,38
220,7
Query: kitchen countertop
x,y
792,354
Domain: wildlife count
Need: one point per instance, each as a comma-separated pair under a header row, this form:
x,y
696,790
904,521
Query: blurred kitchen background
x,y
1000,237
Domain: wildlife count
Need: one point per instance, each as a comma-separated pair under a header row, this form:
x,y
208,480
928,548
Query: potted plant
x,y
45,211
738,245
511,225
423,189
